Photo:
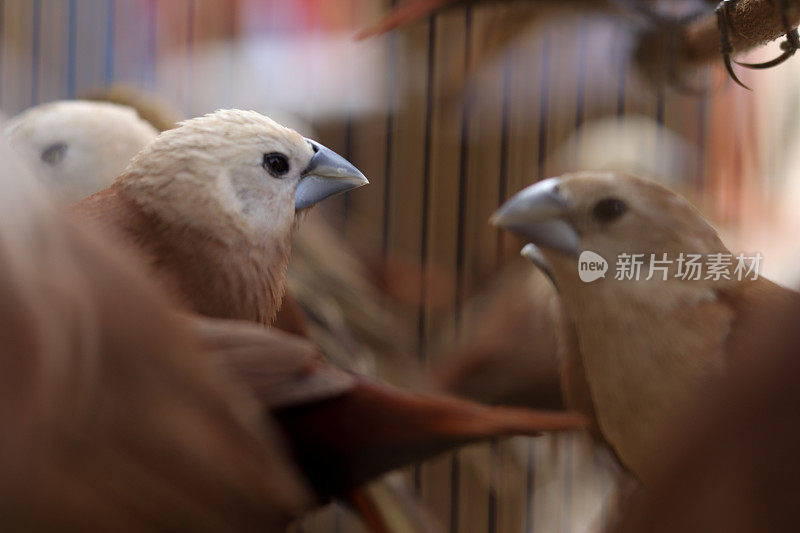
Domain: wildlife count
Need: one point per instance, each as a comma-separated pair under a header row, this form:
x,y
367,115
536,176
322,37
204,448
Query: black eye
x,y
53,154
276,164
609,209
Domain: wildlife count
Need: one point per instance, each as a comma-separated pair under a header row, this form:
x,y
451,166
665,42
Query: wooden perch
x,y
668,51
753,23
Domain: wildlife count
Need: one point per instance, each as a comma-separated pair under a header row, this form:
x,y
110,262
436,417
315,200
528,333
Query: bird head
x,y
78,147
236,171
609,214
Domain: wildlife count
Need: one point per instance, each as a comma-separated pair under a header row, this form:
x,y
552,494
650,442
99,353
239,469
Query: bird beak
x,y
540,213
532,253
327,174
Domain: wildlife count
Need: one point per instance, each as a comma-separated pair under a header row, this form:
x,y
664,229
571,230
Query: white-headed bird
x,y
78,147
653,329
214,203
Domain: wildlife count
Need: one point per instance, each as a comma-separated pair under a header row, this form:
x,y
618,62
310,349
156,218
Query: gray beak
x,y
327,174
539,213
532,253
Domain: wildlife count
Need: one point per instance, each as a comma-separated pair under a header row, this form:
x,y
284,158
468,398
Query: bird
x,y
113,415
78,147
646,344
213,205
416,10
733,464
509,351
345,428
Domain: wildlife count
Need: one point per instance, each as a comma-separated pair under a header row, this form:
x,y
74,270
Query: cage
x,y
448,117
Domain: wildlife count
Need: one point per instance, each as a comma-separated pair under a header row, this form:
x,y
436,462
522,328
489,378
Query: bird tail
x,y
344,442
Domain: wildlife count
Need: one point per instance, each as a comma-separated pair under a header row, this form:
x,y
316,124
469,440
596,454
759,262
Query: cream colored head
x,y
607,213
78,147
236,172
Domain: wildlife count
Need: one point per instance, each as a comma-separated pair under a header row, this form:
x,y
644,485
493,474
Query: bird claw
x,y
724,24
789,46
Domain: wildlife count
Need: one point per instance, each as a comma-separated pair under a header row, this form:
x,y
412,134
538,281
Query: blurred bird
x,y
214,203
508,354
337,308
78,147
733,466
346,429
414,11
647,342
113,418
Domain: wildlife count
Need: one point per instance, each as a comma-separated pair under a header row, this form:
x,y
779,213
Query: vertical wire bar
x,y
505,126
622,80
463,161
502,193
35,51
110,30
189,75
2,47
150,63
390,118
72,38
494,450
227,97
543,111
660,108
542,154
426,192
702,130
349,126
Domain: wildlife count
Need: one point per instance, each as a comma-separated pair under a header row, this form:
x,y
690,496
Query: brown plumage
x,y
509,351
346,429
112,416
645,347
215,228
212,220
733,464
224,278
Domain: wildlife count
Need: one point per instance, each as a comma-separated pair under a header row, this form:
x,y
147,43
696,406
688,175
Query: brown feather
x,y
112,416
209,276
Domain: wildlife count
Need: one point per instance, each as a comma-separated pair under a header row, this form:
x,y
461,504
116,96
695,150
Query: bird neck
x,y
240,276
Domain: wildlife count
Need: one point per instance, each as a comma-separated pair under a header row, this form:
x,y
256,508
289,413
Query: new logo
x,y
591,266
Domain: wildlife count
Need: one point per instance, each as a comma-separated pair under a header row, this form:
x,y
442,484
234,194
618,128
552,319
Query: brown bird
x,y
733,465
646,344
414,11
213,205
509,351
113,418
346,429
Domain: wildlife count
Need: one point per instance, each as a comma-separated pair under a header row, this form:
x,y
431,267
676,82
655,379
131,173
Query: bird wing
x,y
754,303
346,429
281,369
574,384
508,355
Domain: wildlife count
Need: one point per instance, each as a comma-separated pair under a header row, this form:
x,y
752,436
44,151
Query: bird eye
x,y
53,154
276,164
609,209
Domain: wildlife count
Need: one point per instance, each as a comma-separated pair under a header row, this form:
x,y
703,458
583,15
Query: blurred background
x,y
447,118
